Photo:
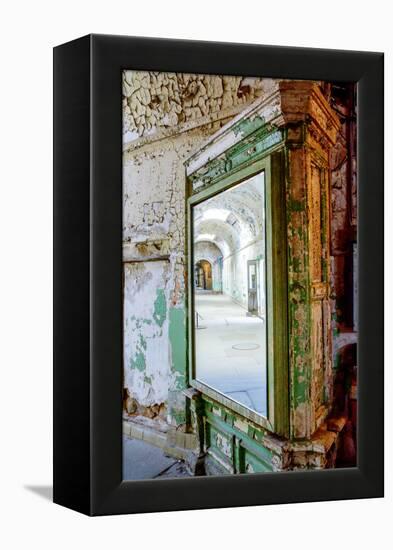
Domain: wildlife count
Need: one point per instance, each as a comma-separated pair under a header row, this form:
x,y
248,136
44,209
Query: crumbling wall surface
x,y
344,205
153,244
154,100
343,163
344,224
146,332
166,118
154,224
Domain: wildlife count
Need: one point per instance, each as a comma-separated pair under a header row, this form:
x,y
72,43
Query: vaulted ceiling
x,y
232,219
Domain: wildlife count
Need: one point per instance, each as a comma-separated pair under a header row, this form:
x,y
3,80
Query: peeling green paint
x,y
160,309
296,264
247,126
296,206
140,322
178,416
234,447
142,340
244,152
138,362
177,338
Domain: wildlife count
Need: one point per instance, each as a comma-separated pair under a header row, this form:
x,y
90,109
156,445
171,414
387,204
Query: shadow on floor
x,y
44,491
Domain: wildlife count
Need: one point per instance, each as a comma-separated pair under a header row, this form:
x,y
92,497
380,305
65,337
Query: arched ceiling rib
x,y
207,250
218,232
232,219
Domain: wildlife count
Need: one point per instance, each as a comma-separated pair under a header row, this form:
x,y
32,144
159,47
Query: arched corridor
x,y
230,338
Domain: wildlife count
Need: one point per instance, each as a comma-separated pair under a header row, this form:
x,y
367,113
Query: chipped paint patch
x,y
222,443
159,314
241,425
247,126
146,346
177,337
138,361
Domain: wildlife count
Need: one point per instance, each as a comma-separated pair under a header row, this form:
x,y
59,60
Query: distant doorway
x,y
203,275
252,287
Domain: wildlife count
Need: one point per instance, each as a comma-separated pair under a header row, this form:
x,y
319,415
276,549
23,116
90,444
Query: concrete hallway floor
x,y
237,373
142,460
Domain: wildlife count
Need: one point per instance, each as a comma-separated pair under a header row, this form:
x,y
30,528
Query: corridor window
x,y
229,293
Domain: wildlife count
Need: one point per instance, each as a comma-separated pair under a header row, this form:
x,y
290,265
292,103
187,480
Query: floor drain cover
x,y
246,346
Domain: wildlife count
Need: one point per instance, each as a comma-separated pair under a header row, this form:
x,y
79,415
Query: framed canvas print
x,y
218,275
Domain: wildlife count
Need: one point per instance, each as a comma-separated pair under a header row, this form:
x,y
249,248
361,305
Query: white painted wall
x,y
235,274
146,344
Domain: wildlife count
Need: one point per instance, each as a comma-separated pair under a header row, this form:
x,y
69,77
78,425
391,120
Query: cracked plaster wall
x,y
166,117
154,100
153,233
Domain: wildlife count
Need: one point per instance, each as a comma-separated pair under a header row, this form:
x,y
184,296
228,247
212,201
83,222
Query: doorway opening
x,y
203,275
252,289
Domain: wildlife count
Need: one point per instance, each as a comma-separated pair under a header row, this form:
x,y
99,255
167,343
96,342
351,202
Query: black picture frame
x,y
88,275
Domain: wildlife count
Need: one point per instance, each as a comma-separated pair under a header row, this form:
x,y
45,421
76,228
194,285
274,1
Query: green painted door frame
x,y
272,165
